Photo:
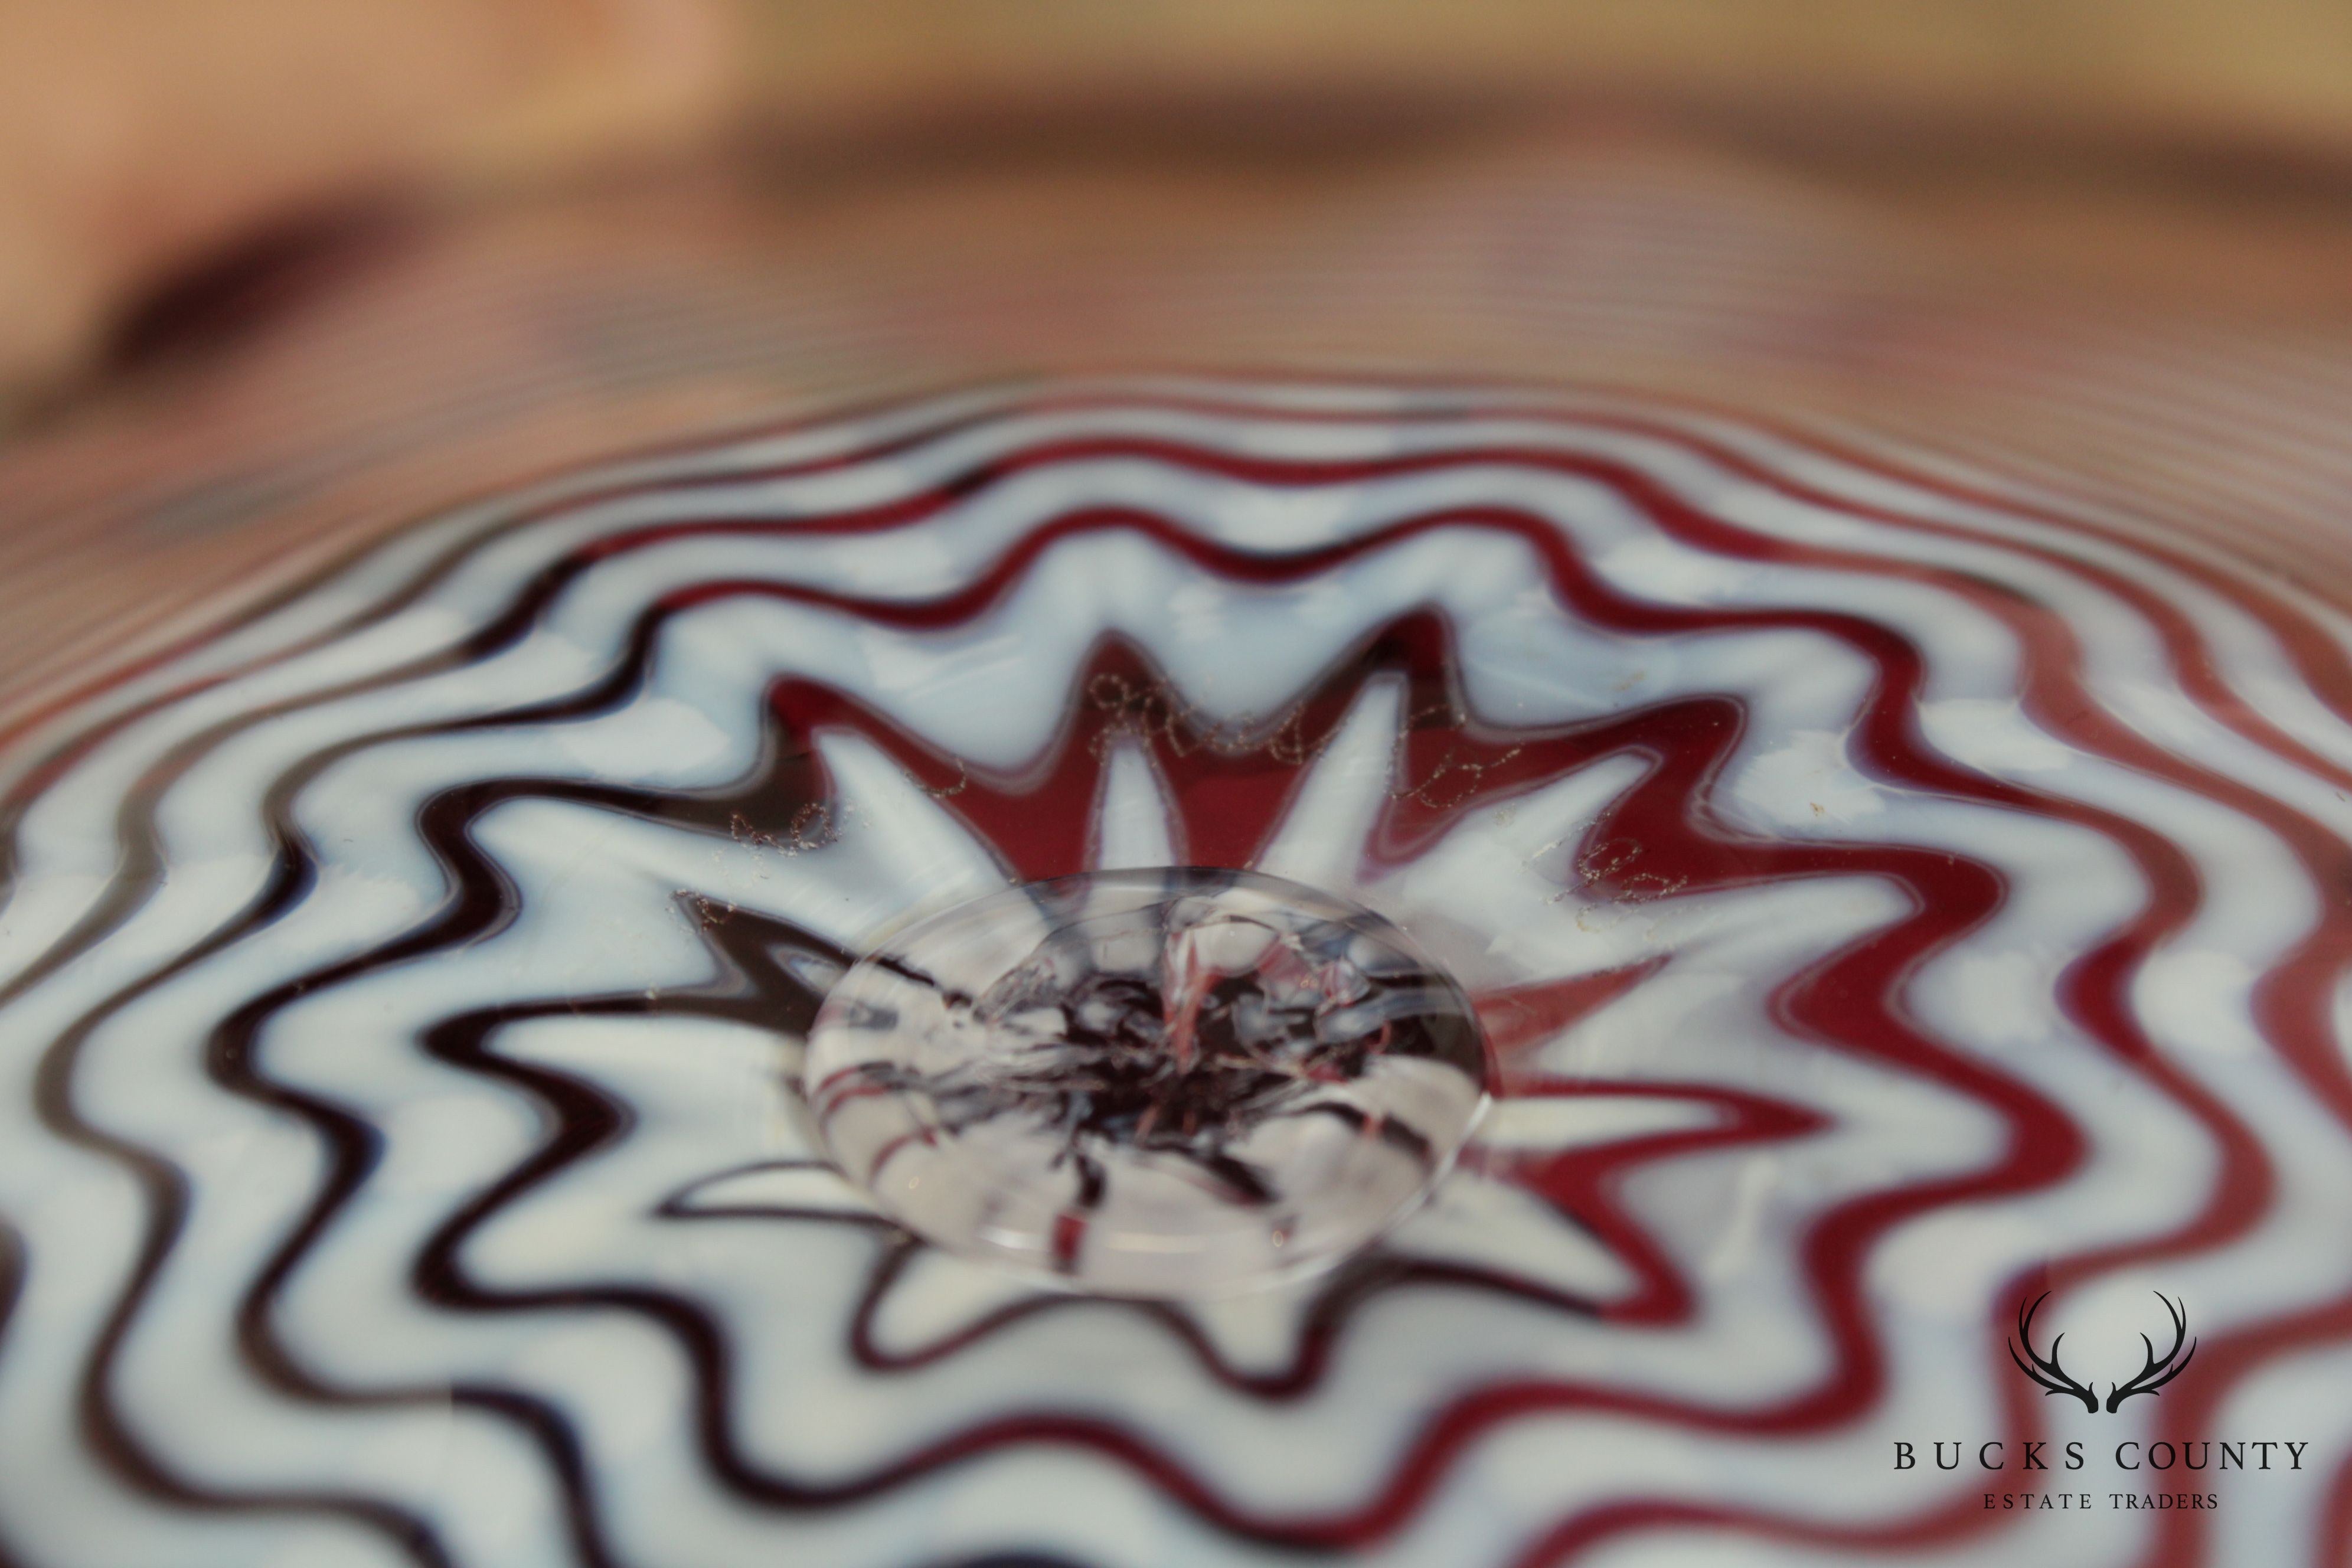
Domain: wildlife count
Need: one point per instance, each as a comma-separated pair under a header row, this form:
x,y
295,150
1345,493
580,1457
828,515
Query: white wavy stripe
x,y
355,1075
2135,1158
550,537
345,593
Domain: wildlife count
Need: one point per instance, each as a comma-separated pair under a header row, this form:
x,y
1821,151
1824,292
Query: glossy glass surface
x,y
1174,1081
1888,893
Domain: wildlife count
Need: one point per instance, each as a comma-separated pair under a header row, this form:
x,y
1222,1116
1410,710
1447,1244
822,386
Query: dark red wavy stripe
x,y
2095,988
1835,1249
2293,997
2046,1135
1850,1004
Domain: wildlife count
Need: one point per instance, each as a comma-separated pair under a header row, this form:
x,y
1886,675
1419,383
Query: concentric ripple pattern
x,y
1888,895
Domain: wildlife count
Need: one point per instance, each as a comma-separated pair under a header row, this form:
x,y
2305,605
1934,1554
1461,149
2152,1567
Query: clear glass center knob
x,y
1161,1082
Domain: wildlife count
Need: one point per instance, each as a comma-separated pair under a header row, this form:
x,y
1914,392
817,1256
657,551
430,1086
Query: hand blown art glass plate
x,y
1156,972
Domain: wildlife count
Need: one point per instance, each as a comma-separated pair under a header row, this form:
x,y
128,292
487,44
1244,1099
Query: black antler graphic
x,y
2146,1382
2048,1373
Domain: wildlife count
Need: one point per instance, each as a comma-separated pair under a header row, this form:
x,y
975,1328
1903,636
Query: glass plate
x,y
1892,901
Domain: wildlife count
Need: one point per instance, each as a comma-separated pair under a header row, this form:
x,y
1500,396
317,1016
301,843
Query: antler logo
x,y
2052,1378
2046,1371
2157,1373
